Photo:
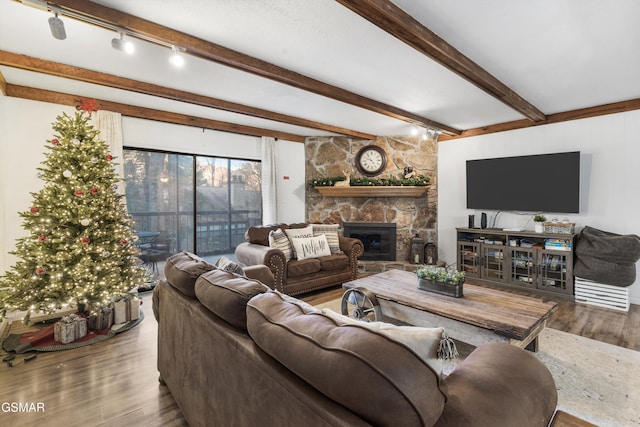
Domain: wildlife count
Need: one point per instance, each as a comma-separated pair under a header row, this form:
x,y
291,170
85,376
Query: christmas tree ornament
x,y
109,157
55,141
42,238
94,190
106,254
75,141
85,222
94,160
34,210
85,240
67,173
40,271
78,193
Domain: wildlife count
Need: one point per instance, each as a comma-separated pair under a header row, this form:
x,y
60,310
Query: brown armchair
x,y
293,276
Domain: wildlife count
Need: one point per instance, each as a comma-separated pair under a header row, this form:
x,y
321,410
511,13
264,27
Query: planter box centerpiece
x,y
441,280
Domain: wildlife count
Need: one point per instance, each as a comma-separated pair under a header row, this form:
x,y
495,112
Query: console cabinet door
x,y
523,267
493,262
555,271
469,258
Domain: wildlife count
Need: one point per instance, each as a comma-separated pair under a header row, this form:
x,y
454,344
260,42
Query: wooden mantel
x,y
373,191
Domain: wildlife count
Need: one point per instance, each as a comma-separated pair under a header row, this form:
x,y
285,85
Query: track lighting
x,y
176,59
122,44
57,27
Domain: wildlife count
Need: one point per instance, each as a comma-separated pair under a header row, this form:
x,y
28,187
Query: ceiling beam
x,y
3,84
395,21
25,62
228,57
147,113
565,116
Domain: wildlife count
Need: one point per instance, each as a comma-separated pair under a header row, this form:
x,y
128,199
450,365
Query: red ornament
x,y
79,193
123,242
109,157
34,211
55,141
87,105
42,238
40,271
94,190
85,240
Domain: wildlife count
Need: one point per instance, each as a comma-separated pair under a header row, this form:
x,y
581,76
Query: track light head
x,y
57,28
122,45
176,59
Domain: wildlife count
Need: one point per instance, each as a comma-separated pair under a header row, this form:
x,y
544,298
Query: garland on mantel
x,y
416,181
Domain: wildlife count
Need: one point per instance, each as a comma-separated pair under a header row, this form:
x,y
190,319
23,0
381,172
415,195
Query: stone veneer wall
x,y
330,156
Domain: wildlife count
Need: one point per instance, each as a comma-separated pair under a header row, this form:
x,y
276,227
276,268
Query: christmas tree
x,y
80,248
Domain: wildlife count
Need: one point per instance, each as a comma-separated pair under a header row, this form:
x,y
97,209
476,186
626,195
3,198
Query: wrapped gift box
x,y
101,318
125,310
69,329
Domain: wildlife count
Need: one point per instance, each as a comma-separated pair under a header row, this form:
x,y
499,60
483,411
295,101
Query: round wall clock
x,y
371,160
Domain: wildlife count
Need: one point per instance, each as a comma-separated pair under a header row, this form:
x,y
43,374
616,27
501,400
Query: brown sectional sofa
x,y
294,276
234,352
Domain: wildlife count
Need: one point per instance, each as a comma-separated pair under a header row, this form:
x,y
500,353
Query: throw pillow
x,y
424,342
279,240
310,247
226,264
331,231
298,232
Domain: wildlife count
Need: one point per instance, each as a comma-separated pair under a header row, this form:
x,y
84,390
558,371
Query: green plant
x,y
416,181
440,274
539,218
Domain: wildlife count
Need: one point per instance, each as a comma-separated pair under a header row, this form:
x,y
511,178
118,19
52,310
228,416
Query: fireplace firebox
x,y
379,239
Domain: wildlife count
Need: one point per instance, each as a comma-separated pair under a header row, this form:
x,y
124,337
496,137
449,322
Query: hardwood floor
x,y
115,382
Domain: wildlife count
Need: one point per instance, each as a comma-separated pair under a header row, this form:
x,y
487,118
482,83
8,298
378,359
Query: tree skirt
x,y
42,339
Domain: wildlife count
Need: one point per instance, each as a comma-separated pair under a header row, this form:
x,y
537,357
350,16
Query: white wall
x,y
610,175
26,125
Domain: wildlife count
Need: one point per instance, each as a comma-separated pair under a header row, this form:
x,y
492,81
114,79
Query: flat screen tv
x,y
536,183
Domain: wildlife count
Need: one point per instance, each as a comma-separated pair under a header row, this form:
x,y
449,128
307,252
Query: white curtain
x,y
269,191
110,126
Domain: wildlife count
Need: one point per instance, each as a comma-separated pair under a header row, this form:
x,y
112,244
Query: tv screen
x,y
537,183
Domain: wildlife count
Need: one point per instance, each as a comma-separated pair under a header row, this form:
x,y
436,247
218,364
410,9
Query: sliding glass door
x,y
186,202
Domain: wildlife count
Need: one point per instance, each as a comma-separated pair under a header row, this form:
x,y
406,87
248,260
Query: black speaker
x,y
472,220
483,220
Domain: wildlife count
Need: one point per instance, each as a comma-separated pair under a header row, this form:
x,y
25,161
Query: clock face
x,y
371,160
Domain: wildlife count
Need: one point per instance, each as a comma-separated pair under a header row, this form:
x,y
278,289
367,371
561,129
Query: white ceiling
x,y
559,55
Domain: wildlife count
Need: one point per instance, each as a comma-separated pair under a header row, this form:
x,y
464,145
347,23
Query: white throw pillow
x,y
331,231
424,342
279,240
298,232
311,247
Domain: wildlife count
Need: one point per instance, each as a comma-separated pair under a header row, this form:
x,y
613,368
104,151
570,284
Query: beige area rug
x,y
597,382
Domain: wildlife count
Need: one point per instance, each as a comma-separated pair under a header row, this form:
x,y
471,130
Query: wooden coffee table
x,y
482,315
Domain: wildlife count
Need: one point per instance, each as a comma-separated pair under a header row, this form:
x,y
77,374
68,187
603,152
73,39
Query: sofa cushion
x,y
279,240
310,247
331,232
182,269
226,294
364,370
297,268
334,262
260,234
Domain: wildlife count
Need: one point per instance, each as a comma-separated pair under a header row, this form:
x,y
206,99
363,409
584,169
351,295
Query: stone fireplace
x,y
331,156
379,239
